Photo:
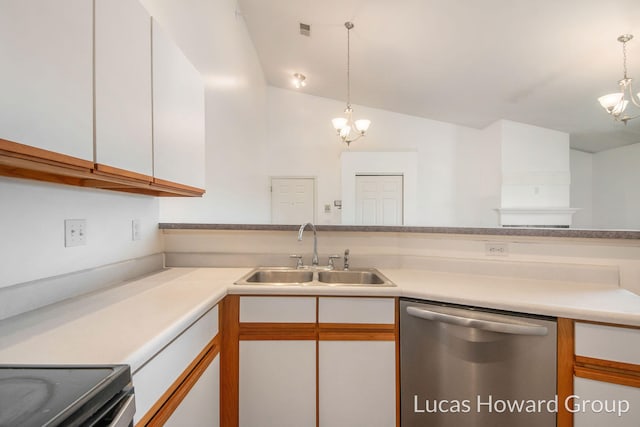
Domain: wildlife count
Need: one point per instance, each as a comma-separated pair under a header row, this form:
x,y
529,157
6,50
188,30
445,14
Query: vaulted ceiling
x,y
469,62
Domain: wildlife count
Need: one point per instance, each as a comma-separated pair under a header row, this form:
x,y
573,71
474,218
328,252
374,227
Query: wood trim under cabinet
x,y
565,368
186,189
162,410
105,170
27,152
229,315
26,162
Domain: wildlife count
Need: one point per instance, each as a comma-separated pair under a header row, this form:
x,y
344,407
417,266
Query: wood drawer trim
x,y
626,379
357,336
278,331
313,331
162,410
356,332
607,371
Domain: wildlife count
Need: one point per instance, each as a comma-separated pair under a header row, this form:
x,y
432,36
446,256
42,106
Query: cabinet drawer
x,y
278,309
608,342
357,310
157,375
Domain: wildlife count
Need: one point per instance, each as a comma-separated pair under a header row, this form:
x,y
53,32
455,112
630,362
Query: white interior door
x,y
379,199
292,200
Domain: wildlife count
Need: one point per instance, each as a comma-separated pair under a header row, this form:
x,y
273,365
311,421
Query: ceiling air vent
x,y
305,29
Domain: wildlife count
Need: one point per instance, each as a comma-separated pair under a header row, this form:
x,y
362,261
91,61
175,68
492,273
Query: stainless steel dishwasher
x,y
469,367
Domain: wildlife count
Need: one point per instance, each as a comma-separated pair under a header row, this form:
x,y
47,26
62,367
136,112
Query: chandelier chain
x,y
624,58
348,67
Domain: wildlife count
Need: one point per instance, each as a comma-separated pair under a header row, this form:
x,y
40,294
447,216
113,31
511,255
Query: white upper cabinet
x,y
178,114
46,75
123,85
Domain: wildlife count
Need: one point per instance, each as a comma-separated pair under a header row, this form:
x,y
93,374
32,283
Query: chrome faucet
x,y
314,260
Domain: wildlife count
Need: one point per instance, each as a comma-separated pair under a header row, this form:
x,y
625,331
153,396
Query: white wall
x,y
217,42
302,142
535,166
582,188
479,178
32,228
616,184
32,214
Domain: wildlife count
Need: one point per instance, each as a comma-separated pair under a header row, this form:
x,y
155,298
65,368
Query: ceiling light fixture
x,y
299,80
348,129
616,103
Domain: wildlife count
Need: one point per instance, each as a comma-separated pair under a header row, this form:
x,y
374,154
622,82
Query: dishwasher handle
x,y
486,325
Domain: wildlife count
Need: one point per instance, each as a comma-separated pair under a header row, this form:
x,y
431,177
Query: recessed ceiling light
x,y
299,80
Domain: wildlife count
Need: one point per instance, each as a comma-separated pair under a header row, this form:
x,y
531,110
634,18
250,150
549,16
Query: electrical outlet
x,y
135,229
75,232
496,249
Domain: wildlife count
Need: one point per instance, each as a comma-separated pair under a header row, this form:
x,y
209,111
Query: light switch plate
x,y
75,232
135,229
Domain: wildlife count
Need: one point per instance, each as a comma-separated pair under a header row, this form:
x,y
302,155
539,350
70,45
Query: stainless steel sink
x,y
278,276
353,277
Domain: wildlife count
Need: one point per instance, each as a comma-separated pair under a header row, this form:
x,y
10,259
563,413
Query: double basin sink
x,y
274,276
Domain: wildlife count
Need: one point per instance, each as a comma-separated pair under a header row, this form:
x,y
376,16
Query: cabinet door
x,y
123,85
158,374
201,406
600,404
46,77
277,384
357,383
178,114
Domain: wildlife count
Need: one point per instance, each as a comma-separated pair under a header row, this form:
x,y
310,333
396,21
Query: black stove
x,y
63,395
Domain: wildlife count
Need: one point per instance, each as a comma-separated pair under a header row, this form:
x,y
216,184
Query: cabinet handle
x,y
486,325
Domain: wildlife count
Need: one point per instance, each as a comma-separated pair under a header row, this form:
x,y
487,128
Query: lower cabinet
x,y
320,361
599,403
357,383
277,383
201,405
606,376
180,384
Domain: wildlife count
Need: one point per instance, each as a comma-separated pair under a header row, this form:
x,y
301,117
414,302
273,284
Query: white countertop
x,y
130,323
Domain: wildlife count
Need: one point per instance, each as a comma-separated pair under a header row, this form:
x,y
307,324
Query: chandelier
x,y
616,103
299,80
348,129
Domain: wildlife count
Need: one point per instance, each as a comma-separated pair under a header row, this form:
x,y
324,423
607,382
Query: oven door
x,y
118,412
